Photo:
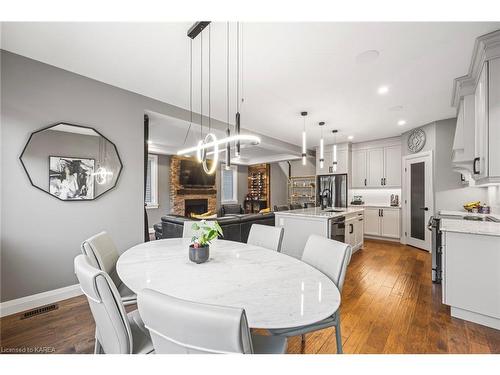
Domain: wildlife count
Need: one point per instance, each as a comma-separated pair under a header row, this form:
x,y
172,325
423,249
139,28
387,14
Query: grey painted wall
x,y
303,170
279,183
155,214
40,235
449,193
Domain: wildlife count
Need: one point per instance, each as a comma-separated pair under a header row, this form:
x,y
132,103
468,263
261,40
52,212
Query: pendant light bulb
x,y
321,147
304,136
334,151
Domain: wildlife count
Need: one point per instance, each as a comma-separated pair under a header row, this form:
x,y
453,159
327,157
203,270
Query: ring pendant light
x,y
210,140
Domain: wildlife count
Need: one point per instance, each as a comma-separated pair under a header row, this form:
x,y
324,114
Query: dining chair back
x,y
113,330
103,254
189,232
329,256
266,236
184,327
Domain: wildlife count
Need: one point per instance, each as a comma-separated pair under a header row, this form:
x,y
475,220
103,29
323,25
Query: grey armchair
x,y
330,257
183,327
116,331
266,236
102,253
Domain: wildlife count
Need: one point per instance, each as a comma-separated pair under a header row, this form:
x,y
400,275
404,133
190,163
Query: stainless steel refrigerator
x,y
332,190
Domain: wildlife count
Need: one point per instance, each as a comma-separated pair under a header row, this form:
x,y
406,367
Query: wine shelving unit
x,y
301,189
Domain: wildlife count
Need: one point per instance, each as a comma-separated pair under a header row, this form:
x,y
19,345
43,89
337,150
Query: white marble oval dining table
x,y
276,290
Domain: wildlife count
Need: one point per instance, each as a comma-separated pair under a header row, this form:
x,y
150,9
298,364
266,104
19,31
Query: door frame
x,y
406,194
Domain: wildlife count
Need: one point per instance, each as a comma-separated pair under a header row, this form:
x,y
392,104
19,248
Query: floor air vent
x,y
39,311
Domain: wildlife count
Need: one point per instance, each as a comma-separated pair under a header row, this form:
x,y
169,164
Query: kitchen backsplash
x,y
375,196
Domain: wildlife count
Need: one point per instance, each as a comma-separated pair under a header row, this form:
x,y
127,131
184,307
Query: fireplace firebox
x,y
195,206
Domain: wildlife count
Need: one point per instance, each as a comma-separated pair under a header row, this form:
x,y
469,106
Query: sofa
x,y
235,227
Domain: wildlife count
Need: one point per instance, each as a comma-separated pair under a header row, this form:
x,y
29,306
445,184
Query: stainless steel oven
x,y
437,249
337,228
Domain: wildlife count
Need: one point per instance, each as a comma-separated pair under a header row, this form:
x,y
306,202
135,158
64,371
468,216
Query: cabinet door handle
x,y
382,212
476,171
351,228
381,181
365,181
385,183
379,212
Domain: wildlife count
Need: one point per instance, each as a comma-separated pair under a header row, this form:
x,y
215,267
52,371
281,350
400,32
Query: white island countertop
x,y
317,212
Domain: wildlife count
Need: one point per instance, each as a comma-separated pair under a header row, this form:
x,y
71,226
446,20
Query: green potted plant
x,y
199,249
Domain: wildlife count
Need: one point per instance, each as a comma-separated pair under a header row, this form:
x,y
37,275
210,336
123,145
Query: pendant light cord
x,y
190,89
201,86
209,78
227,75
237,67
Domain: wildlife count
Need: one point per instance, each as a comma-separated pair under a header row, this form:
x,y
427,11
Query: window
x,y
152,182
229,184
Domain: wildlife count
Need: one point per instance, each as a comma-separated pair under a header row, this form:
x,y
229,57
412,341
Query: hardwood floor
x,y
389,305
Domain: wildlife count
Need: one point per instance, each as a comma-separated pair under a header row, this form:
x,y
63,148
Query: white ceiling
x,y
287,68
167,135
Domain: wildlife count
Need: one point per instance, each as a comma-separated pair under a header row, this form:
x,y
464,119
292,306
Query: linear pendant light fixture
x,y
238,116
334,151
321,147
210,140
304,146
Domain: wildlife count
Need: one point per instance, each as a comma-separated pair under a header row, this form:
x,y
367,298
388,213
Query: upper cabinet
x,y
476,147
375,164
342,160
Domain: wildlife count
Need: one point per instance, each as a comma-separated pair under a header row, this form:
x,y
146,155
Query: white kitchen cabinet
x,y
375,167
482,138
390,223
359,232
342,160
382,222
354,231
372,221
358,173
470,277
392,166
481,125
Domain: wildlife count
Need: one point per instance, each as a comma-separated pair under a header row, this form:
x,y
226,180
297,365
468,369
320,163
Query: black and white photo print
x,y
71,178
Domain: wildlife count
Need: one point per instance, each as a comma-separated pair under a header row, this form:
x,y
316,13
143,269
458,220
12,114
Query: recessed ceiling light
x,y
350,137
401,122
382,90
367,56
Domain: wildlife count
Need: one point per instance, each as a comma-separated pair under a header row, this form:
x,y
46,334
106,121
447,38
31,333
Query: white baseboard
x,y
30,302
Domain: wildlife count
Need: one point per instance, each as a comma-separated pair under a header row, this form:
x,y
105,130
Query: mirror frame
x,y
78,126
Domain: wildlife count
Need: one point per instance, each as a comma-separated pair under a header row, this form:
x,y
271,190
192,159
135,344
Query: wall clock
x,y
416,140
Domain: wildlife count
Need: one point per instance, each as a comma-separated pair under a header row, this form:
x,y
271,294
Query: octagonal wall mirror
x,y
71,162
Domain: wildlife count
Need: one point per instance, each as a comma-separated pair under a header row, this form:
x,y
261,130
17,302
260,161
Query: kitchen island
x,y
339,223
471,270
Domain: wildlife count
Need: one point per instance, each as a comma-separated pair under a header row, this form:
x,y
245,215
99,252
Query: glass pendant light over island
x,y
321,147
334,151
304,145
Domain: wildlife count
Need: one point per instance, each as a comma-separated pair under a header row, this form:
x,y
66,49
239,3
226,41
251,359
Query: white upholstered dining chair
x,y
184,327
266,236
116,331
330,257
102,253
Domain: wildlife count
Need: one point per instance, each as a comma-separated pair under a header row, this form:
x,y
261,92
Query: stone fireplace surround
x,y
179,194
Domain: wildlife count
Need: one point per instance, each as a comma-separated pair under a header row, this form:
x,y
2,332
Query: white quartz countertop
x,y
374,205
472,227
317,212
